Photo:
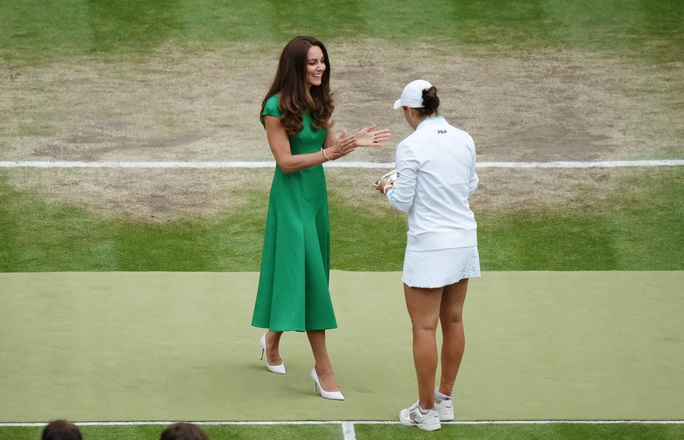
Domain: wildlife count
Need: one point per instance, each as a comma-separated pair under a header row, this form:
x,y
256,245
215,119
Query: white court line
x,y
348,431
379,165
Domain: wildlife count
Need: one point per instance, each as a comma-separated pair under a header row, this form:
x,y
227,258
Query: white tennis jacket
x,y
435,176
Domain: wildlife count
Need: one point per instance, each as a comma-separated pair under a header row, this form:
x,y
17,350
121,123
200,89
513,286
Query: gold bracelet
x,y
326,156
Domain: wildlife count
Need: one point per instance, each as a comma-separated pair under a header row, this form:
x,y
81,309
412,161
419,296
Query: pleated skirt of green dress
x,y
293,292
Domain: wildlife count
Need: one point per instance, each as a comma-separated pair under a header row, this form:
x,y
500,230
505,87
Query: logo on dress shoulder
x,y
441,131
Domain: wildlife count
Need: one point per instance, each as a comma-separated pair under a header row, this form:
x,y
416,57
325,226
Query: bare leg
x,y
323,366
423,307
453,336
273,348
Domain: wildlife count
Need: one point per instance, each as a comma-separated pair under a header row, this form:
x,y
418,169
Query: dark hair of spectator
x,y
183,431
61,430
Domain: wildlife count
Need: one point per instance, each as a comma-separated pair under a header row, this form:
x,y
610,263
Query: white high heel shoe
x,y
332,395
277,369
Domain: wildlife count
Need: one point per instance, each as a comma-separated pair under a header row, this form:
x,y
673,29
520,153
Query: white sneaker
x,y
445,410
414,417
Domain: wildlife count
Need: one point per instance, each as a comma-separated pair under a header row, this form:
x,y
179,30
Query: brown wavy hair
x,y
295,98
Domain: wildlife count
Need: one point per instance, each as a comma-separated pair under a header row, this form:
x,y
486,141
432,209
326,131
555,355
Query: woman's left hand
x,y
381,185
370,137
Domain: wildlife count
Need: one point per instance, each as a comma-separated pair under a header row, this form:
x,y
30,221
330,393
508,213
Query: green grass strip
x,y
35,30
153,432
637,226
552,431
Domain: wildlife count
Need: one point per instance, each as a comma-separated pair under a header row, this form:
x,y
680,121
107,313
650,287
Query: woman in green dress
x,y
293,293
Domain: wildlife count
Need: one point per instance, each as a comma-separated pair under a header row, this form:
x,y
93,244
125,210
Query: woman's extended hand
x,y
342,146
370,137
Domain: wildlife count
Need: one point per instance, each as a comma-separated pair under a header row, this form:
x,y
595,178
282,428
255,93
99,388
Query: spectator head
x,y
61,430
183,431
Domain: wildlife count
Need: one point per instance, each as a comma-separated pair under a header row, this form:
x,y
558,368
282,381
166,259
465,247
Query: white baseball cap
x,y
412,96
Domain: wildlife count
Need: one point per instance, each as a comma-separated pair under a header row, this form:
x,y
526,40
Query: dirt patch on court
x,y
180,105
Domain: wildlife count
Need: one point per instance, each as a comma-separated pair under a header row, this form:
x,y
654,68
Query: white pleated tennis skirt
x,y
432,269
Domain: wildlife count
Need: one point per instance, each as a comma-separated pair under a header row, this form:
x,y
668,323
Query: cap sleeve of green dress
x,y
271,107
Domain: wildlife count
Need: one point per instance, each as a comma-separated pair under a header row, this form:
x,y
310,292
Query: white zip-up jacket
x,y
435,176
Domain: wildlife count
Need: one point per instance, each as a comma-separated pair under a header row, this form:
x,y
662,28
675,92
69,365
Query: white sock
x,y
439,397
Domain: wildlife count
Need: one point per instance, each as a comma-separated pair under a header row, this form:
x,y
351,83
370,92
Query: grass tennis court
x,y
181,80
566,348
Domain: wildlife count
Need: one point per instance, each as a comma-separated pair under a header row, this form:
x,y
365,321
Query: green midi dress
x,y
293,292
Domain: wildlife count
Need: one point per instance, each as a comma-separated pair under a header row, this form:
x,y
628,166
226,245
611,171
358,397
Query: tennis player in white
x,y
435,177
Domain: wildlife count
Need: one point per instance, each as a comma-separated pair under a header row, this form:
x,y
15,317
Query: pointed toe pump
x,y
277,369
332,395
